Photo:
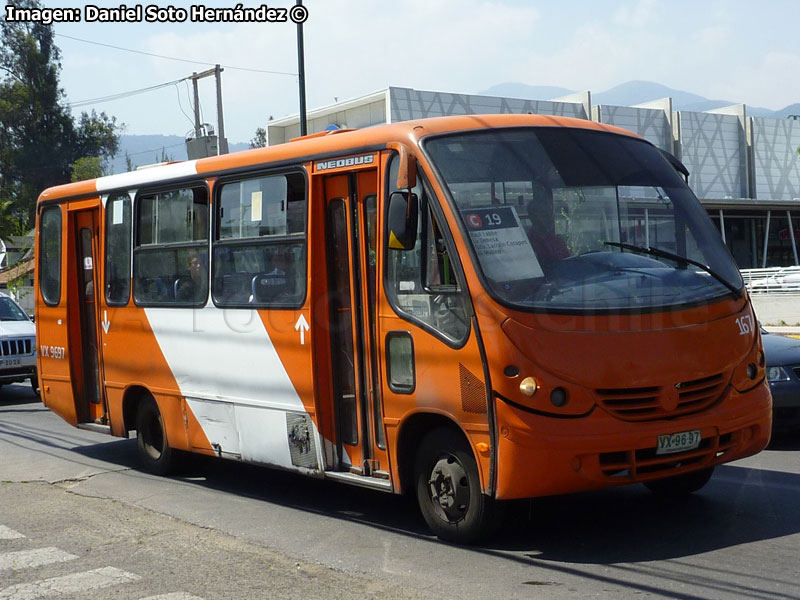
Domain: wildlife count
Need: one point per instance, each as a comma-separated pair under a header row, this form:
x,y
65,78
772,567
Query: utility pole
x,y
301,71
222,143
197,133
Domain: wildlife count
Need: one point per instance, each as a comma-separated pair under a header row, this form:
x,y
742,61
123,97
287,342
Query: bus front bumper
x,y
540,456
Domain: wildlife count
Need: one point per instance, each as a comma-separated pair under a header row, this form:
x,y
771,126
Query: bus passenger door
x,y
83,315
352,280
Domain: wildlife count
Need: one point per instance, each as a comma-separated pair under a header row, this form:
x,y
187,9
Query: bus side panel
x,y
449,382
237,389
132,357
292,342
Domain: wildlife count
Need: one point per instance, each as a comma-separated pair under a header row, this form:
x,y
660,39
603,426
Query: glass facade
x,y
760,238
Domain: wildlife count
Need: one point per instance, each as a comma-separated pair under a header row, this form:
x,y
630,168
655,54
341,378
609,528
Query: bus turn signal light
x,y
528,386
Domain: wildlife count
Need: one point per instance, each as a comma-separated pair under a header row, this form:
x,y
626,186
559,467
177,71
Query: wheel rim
x,y
153,436
448,487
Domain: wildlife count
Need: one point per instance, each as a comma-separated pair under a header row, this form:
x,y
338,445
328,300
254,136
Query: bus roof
x,y
314,147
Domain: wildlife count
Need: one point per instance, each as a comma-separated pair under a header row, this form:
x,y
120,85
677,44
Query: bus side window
x,y
170,258
50,255
421,283
118,250
260,243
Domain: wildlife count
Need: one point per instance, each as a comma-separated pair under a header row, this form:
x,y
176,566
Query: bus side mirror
x,y
402,220
406,167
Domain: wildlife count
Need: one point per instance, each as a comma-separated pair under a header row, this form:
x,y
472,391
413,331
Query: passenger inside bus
x,y
190,288
548,246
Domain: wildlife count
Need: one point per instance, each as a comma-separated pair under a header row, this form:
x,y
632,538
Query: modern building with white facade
x,y
745,170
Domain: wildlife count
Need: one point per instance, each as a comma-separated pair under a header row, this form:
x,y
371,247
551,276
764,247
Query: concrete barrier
x,y
777,309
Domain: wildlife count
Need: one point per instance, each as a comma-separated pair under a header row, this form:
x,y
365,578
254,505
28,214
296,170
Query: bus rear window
x,y
50,255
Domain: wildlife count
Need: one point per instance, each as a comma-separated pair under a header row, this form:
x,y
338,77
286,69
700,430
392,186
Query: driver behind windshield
x,y
549,247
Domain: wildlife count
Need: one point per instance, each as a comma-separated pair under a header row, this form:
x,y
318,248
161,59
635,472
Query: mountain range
x,y
149,149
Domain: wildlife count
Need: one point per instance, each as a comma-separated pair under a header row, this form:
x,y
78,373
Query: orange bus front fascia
x,y
542,450
541,456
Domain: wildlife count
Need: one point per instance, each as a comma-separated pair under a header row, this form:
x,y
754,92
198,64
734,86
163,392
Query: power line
x,y
180,104
117,156
186,60
121,95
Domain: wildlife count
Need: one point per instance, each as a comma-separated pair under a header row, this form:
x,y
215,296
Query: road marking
x,y
76,583
173,596
9,534
27,559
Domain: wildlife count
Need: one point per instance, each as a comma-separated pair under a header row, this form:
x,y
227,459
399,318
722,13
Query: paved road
x,y
226,530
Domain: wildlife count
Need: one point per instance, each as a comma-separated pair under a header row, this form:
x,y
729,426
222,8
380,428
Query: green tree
x,y
260,139
40,141
87,167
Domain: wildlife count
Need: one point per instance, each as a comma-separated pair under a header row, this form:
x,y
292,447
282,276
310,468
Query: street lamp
x,y
301,71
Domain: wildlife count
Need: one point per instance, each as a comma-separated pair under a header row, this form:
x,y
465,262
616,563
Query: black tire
x,y
35,386
680,485
449,490
154,452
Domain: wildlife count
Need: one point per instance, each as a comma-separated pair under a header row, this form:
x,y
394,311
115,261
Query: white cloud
x,y
642,14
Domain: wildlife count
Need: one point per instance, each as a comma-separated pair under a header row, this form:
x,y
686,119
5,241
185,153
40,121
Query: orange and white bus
x,y
470,309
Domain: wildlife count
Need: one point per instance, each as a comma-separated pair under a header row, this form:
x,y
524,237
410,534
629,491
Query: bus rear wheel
x,y
449,490
680,485
154,452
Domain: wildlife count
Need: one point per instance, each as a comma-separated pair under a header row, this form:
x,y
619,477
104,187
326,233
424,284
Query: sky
x,y
737,50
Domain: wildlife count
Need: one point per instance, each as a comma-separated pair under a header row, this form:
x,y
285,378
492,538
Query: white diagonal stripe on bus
x,y
173,596
68,584
9,534
27,559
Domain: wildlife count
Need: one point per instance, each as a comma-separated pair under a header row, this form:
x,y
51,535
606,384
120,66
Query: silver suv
x,y
17,344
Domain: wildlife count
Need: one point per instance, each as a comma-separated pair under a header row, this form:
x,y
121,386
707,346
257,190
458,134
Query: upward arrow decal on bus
x,y
302,327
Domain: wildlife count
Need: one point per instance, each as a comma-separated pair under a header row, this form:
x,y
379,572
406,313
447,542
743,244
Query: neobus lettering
x,y
366,159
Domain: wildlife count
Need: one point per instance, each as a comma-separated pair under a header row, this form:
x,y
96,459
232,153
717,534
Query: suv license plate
x,y
678,442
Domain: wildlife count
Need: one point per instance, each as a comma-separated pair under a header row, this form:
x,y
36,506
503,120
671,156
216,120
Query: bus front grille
x,y
650,403
16,347
644,463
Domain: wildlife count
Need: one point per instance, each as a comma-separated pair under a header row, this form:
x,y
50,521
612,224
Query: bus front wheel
x,y
680,485
449,490
154,452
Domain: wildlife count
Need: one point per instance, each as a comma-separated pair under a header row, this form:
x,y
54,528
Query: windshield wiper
x,y
678,258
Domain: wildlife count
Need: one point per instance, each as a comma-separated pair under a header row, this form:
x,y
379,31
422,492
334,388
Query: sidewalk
x,y
790,331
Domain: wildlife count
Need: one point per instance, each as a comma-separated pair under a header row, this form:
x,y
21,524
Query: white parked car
x,y
17,344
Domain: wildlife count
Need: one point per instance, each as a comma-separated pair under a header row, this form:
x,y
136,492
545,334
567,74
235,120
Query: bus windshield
x,y
572,219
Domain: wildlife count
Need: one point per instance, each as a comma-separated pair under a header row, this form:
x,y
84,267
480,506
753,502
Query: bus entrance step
x,y
96,427
370,482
